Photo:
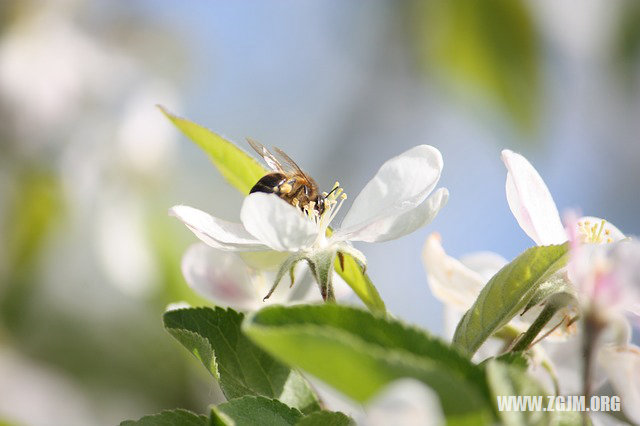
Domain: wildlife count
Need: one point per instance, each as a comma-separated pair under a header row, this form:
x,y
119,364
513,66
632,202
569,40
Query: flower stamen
x,y
334,211
595,233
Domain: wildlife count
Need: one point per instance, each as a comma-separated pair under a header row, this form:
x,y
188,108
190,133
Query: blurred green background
x,y
89,258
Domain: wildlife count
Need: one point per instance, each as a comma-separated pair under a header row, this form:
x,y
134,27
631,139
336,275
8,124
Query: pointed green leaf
x,y
252,410
238,168
506,294
170,418
359,353
215,338
360,283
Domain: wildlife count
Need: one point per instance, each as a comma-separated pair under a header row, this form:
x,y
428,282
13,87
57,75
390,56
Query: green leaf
x,y
489,49
513,380
326,418
359,353
506,294
238,168
254,410
170,418
360,284
215,338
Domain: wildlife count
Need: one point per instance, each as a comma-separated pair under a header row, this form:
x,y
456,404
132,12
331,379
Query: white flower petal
x,y
530,201
216,232
405,402
219,276
392,227
450,281
277,223
402,182
225,279
622,365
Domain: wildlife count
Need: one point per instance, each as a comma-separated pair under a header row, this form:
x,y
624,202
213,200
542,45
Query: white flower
x,y
533,207
394,203
457,283
607,278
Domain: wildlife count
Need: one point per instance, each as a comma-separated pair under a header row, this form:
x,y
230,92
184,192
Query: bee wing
x,y
290,162
268,157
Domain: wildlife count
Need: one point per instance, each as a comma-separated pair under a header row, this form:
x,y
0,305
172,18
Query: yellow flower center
x,y
332,202
594,232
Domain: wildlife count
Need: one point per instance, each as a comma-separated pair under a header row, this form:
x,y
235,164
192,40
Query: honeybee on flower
x,y
288,218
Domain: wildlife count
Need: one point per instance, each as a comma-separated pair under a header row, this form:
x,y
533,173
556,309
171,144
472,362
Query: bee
x,y
288,181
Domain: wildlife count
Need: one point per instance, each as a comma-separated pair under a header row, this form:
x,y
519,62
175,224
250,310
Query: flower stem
x,y
552,305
